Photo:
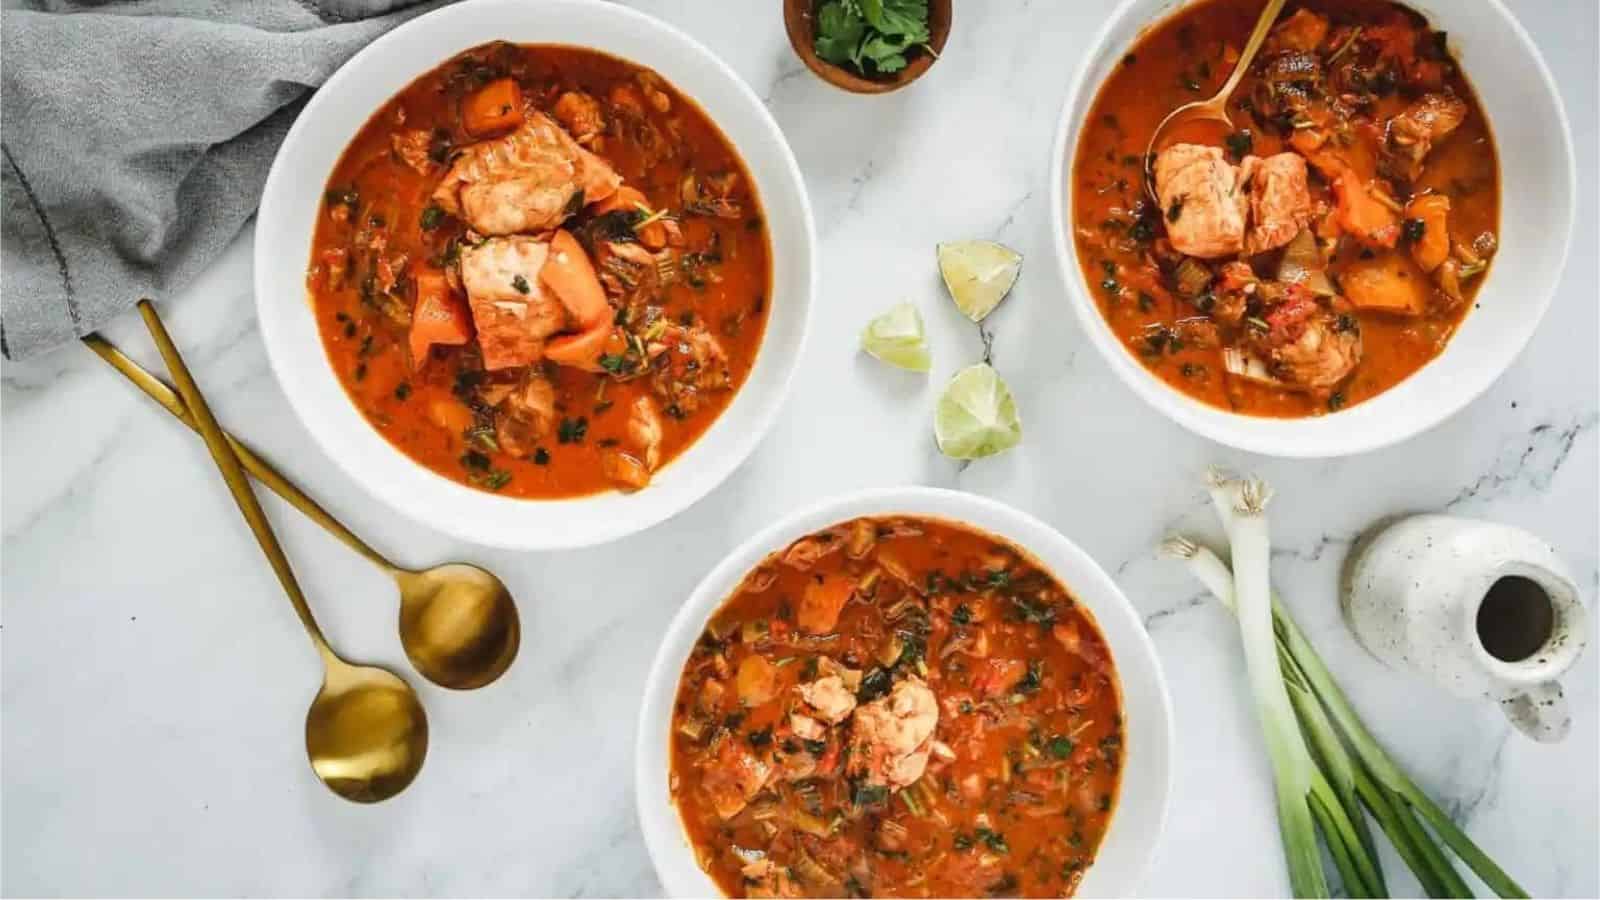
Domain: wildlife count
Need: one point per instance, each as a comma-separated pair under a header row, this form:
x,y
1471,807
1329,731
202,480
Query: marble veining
x,y
153,682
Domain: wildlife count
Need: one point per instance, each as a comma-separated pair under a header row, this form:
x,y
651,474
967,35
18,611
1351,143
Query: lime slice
x,y
976,416
978,274
897,338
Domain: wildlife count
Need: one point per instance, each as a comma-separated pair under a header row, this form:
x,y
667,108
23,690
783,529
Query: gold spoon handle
x,y
254,464
233,474
1248,54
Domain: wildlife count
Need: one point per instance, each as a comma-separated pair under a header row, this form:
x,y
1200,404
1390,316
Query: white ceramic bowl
x,y
1141,805
1537,190
283,249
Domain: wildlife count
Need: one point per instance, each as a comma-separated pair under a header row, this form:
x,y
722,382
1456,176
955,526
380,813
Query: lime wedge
x,y
978,274
976,416
897,338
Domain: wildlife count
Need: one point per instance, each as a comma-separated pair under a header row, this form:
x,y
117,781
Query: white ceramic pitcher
x,y
1483,609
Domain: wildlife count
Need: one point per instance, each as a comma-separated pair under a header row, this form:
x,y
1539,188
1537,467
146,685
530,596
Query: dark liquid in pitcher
x,y
1515,618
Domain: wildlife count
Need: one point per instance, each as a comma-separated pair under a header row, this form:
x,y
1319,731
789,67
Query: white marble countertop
x,y
155,683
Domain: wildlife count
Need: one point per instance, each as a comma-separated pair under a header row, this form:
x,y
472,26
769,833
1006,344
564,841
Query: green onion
x,y
1292,767
1353,766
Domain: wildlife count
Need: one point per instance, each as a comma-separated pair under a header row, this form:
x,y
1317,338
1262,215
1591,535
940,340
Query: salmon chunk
x,y
580,114
512,311
829,698
1302,32
530,180
1202,200
733,777
892,736
1411,136
1280,201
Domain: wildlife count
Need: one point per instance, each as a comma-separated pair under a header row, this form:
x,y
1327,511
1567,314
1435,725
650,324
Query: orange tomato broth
x,y
1181,60
418,411
1035,727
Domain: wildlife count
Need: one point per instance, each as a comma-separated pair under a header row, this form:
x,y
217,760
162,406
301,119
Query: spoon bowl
x,y
458,624
366,732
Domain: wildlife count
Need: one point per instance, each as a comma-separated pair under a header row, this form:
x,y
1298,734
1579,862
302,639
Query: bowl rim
x,y
1135,653
1284,438
713,470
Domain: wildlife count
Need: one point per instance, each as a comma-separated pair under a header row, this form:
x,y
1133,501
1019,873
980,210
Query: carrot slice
x,y
584,349
439,317
495,107
568,273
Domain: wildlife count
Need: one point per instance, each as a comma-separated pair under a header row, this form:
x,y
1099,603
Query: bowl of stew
x,y
1366,248
906,691
535,273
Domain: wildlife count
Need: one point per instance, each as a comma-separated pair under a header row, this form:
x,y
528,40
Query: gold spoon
x,y
458,623
1215,109
366,732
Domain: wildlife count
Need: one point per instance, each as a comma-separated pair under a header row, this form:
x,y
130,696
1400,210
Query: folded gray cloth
x,y
137,137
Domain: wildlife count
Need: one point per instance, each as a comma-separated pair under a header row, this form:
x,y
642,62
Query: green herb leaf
x,y
904,18
887,54
572,431
431,217
839,33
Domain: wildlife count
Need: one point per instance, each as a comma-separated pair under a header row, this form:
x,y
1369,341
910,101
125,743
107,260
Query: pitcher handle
x,y
1540,712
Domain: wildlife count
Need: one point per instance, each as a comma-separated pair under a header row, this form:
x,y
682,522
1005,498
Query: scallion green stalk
x,y
1292,767
1395,801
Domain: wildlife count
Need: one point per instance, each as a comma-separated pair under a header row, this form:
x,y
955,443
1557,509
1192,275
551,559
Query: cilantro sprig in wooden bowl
x,y
868,46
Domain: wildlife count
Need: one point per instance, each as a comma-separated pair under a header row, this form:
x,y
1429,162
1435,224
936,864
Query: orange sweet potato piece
x,y
439,317
568,273
493,108
1389,282
823,599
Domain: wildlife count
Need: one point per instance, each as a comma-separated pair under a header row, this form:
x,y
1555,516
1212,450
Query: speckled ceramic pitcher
x,y
1485,610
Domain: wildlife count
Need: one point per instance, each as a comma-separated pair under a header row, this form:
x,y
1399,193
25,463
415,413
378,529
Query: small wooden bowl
x,y
799,20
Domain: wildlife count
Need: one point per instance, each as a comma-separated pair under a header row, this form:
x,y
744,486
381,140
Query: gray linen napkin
x,y
137,137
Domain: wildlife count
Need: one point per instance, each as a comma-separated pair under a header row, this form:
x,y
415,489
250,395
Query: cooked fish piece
x,y
828,698
511,309
892,736
732,777
1306,347
1412,135
1202,201
530,180
526,414
1280,201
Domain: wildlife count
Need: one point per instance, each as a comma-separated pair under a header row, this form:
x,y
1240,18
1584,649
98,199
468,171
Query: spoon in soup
x,y
1216,108
366,733
458,622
